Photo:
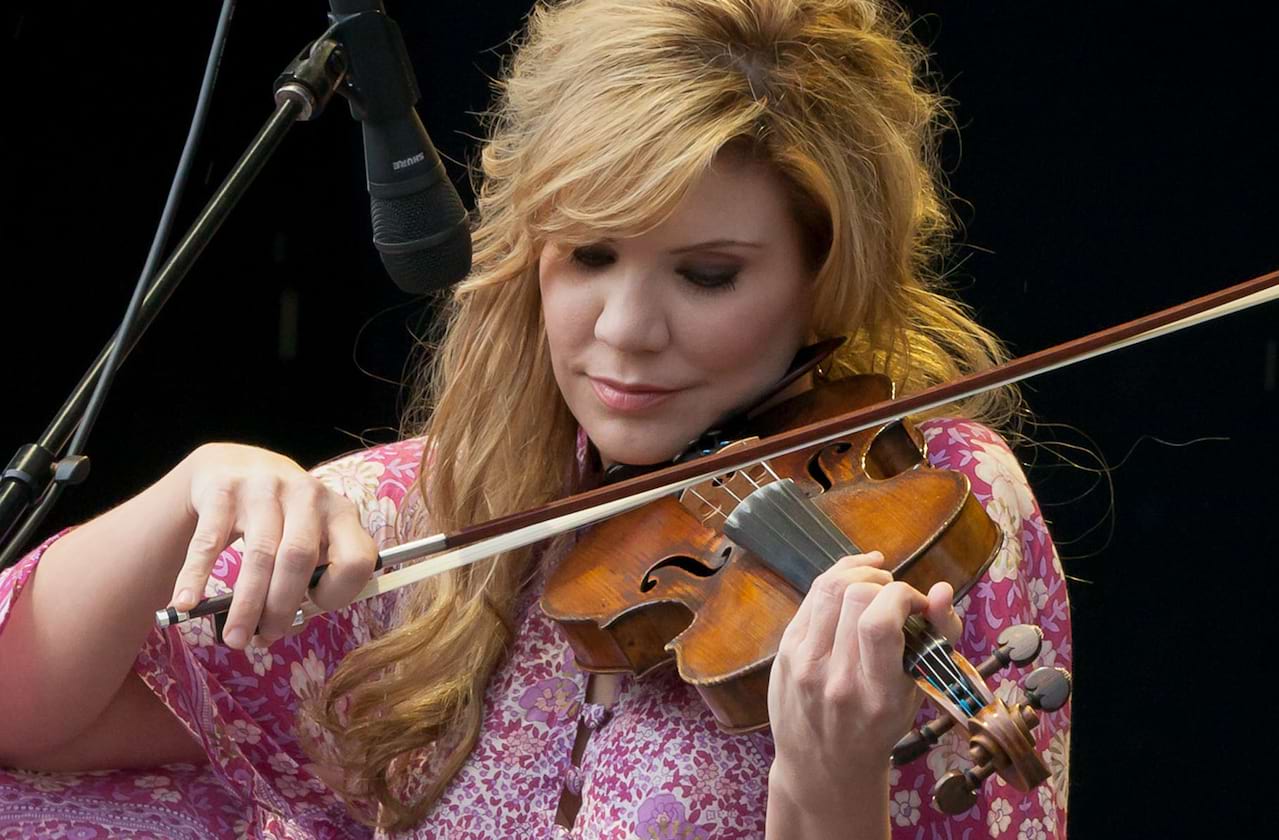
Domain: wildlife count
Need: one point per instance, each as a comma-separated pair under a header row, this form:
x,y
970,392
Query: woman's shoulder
x,y
994,473
954,441
360,468
999,483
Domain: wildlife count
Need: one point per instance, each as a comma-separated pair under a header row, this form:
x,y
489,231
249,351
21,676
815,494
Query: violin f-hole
x,y
833,453
684,563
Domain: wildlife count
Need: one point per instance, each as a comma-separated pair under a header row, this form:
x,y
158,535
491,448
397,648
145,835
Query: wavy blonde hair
x,y
609,112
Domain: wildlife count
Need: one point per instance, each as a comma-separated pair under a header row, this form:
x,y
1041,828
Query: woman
x,y
677,196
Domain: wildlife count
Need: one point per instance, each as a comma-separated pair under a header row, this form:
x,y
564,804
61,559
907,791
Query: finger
x,y
941,611
880,638
351,556
262,534
870,558
845,647
296,557
823,601
216,513
828,594
797,629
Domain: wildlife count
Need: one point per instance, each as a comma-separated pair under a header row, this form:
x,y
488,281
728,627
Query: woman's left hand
x,y
839,698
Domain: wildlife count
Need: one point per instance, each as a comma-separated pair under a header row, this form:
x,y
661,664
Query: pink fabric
x,y
655,766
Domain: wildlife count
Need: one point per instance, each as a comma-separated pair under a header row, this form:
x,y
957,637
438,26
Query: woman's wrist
x,y
807,804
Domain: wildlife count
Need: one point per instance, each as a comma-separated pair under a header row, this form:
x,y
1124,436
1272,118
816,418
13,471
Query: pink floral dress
x,y
655,765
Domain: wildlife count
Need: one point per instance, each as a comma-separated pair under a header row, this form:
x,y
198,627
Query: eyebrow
x,y
716,243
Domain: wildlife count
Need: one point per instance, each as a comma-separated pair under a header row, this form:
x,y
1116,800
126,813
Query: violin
x,y
709,579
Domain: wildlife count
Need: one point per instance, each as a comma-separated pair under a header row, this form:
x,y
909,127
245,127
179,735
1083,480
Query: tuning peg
x,y
1047,688
916,743
1018,644
956,791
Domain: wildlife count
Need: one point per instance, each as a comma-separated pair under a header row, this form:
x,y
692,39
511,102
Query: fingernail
x,y
236,637
185,600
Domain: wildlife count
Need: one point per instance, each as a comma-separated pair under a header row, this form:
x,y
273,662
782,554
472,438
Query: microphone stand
x,y
35,475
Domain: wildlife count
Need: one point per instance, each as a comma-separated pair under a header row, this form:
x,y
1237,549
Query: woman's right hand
x,y
290,523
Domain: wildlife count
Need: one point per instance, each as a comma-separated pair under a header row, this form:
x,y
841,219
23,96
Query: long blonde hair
x,y
610,110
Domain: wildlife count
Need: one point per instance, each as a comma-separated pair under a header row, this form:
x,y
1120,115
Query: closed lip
x,y
629,396
632,387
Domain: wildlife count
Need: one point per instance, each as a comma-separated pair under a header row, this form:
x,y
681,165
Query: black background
x,y
1115,159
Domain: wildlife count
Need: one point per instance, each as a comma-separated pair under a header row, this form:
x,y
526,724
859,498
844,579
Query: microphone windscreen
x,y
420,264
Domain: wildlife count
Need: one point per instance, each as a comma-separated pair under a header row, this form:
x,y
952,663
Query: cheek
x,y
752,342
569,314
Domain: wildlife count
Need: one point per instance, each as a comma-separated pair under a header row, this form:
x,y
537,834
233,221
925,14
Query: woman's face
x,y
656,337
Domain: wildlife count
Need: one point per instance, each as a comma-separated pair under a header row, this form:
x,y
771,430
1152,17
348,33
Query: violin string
x,y
957,687
941,644
776,506
934,643
966,705
919,633
693,490
935,647
715,509
819,518
769,467
926,668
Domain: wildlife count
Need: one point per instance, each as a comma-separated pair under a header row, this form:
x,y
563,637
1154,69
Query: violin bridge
x,y
714,500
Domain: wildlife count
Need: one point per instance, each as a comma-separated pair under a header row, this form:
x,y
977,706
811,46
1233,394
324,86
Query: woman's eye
x,y
592,256
711,279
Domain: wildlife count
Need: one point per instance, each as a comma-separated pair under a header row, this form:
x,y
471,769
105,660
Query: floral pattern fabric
x,y
655,766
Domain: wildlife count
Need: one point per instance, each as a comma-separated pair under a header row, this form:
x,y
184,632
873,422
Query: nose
x,y
632,318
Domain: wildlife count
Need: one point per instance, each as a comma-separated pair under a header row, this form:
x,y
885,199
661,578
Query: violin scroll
x,y
1000,739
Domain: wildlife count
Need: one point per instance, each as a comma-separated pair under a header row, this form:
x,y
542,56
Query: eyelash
x,y
596,258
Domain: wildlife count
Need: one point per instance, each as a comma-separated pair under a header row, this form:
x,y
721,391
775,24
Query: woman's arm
x,y
70,640
839,699
72,636
860,811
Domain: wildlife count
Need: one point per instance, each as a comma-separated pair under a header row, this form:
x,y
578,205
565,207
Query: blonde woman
x,y
674,198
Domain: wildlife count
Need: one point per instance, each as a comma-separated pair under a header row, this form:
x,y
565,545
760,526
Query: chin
x,y
622,448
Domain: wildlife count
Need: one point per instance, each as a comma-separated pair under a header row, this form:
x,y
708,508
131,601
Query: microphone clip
x,y
311,79
380,84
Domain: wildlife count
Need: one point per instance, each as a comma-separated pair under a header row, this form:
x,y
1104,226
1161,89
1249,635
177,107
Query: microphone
x,y
420,227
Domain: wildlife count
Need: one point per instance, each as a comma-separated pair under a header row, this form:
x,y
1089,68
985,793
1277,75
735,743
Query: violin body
x,y
666,582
